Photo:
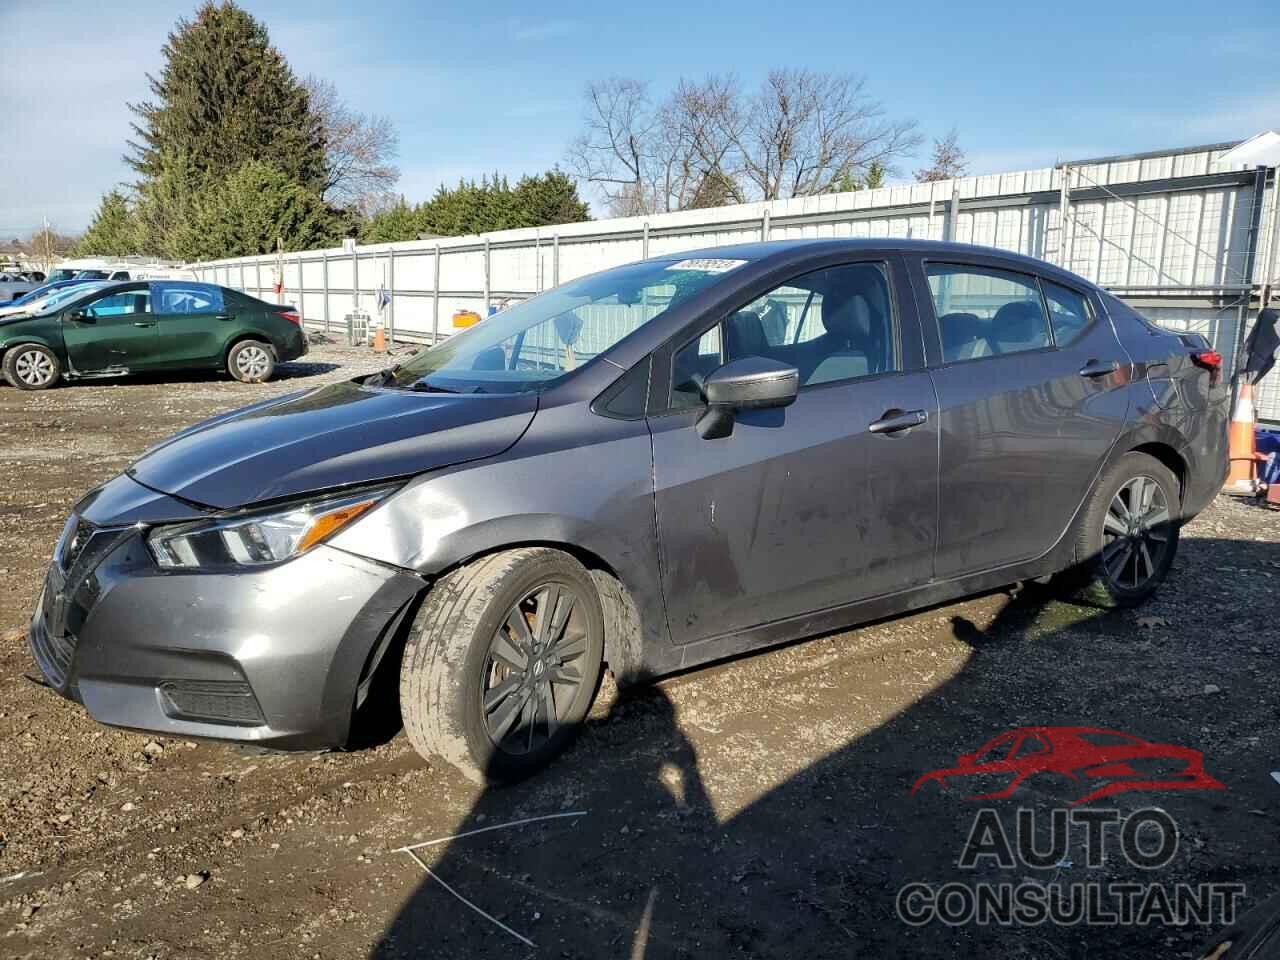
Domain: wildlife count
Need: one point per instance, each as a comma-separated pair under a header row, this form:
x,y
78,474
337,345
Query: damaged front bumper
x,y
278,655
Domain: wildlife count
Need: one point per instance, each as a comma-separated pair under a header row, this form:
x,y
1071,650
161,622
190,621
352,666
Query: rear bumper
x,y
295,346
272,656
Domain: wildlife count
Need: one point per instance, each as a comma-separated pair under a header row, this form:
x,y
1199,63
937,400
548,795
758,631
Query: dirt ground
x,y
758,807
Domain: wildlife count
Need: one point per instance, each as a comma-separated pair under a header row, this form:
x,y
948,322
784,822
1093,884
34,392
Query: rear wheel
x,y
502,663
31,366
1128,535
251,361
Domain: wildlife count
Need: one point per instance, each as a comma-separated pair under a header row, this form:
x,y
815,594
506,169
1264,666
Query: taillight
x,y
1211,360
293,316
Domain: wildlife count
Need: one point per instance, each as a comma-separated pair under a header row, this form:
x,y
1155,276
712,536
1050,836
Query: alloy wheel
x,y
34,368
1135,533
533,672
252,361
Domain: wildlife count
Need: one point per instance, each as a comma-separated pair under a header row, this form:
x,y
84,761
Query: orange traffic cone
x,y
380,342
1242,481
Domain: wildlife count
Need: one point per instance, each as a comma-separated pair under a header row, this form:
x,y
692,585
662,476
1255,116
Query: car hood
x,y
332,436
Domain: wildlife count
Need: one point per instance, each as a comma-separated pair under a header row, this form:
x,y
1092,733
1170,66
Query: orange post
x,y
1242,480
379,340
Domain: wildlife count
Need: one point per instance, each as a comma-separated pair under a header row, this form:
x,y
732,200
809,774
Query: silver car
x,y
647,469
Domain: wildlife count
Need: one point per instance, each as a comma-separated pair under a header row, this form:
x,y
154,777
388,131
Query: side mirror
x,y
80,316
752,383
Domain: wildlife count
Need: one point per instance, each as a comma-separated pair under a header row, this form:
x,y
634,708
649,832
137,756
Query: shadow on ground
x,y
813,866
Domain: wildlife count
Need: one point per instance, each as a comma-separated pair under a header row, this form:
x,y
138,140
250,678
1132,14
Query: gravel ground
x,y
758,807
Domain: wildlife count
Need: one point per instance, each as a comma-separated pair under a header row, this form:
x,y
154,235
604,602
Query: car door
x,y
1029,408
192,322
828,501
114,333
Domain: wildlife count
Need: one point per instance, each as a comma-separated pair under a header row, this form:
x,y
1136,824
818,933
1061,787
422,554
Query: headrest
x,y
1018,322
744,336
849,319
961,328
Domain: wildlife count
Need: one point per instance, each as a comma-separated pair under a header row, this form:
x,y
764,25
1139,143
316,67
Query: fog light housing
x,y
212,701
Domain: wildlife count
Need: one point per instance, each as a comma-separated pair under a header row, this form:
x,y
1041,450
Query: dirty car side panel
x,y
575,479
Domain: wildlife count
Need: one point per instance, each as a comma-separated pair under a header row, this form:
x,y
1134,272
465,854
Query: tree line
x,y
233,150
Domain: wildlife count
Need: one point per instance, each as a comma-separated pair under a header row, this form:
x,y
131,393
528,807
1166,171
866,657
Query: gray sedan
x,y
644,469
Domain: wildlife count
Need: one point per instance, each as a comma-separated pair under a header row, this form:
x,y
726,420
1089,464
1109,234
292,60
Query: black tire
x,y
1118,567
455,662
251,361
32,366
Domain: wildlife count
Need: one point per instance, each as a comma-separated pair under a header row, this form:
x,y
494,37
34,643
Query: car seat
x,y
964,337
1019,325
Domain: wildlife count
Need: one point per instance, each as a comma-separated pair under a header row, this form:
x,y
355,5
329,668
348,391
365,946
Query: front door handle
x,y
1099,368
144,323
225,316
891,421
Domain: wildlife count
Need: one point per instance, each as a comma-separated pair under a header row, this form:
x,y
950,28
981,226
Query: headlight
x,y
252,539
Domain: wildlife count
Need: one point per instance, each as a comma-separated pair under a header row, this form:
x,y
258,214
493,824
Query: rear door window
x,y
985,312
187,298
1068,311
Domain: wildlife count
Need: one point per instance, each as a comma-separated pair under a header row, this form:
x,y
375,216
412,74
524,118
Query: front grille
x,y
212,701
70,591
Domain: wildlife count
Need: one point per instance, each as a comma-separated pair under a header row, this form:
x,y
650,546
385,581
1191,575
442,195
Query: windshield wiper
x,y
381,378
423,387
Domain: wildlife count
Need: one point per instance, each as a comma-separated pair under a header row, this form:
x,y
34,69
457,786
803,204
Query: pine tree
x,y
715,189
247,211
396,222
225,96
113,232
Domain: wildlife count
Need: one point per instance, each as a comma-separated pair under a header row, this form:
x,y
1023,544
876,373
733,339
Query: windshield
x,y
59,297
91,275
27,298
62,273
526,348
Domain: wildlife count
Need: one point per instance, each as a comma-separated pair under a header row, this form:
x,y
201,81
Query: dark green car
x,y
156,325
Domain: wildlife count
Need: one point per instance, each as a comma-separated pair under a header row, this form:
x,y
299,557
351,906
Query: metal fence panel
x,y
1170,231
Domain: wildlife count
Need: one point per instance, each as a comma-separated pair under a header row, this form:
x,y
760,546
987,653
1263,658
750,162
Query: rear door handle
x,y
1099,368
894,420
144,323
225,316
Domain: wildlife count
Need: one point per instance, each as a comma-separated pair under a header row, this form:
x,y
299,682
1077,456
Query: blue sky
x,y
474,87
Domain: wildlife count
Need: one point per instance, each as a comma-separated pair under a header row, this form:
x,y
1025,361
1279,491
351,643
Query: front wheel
x,y
30,366
502,663
1128,534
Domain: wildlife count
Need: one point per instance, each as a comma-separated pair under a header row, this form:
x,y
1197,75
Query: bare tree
x,y
614,152
360,150
699,124
947,161
46,247
806,131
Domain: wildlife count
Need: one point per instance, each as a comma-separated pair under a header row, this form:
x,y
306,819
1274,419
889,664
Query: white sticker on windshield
x,y
707,265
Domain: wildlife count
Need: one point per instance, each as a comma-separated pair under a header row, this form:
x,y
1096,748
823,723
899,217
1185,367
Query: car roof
x,y
761,250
